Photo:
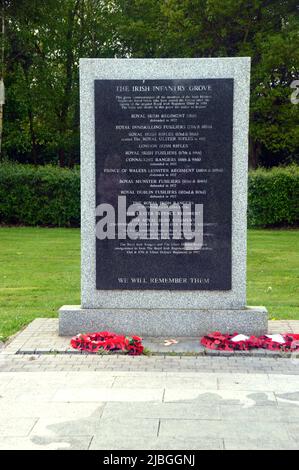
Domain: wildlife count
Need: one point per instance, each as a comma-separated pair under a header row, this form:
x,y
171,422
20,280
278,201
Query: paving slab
x,y
10,409
18,428
162,410
293,429
206,382
260,444
221,430
85,415
160,443
46,443
221,397
61,426
253,382
238,414
87,394
41,337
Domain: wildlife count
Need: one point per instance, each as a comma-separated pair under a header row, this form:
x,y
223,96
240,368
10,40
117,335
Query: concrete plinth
x,y
74,319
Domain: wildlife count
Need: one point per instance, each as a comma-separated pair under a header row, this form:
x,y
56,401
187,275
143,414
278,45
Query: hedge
x,y
39,195
273,197
50,196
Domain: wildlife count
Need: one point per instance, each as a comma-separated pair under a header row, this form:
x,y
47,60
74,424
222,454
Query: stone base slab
x,y
74,319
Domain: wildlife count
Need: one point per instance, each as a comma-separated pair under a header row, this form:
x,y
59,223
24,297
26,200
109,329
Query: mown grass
x,y
40,272
273,272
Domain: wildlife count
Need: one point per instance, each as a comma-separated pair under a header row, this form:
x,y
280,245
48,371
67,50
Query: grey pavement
x,y
41,337
173,402
119,402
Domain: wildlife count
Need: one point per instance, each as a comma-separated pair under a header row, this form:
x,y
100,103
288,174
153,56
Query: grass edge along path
x,y
40,272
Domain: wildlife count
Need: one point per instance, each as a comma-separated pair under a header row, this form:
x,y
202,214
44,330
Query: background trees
x,y
45,39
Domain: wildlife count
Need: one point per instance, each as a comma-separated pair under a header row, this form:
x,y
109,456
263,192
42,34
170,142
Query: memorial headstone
x,y
164,152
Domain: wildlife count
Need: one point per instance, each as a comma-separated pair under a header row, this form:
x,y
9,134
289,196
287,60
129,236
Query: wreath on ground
x,y
108,341
235,342
132,345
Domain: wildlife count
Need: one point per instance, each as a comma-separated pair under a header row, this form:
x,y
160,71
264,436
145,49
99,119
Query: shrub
x,y
273,197
39,195
49,195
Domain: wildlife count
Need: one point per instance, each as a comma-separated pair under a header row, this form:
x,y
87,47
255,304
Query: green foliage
x,y
39,195
267,31
44,41
49,195
273,197
46,38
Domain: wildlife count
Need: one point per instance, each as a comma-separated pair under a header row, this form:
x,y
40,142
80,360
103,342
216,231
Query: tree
x,y
46,38
44,47
265,30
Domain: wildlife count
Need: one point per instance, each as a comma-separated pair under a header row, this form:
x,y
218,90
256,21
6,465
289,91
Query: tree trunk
x,y
61,157
254,153
30,116
65,105
1,128
33,136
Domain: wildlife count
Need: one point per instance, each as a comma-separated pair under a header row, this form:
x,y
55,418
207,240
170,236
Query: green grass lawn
x,y
40,272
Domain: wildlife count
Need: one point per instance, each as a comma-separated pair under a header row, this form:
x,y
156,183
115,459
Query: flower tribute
x,y
226,342
108,341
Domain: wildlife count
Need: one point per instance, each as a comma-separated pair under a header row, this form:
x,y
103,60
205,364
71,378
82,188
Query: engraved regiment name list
x,y
163,144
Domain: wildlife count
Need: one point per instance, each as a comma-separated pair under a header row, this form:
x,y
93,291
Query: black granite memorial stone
x,y
162,143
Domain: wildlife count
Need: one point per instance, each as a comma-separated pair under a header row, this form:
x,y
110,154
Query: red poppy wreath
x,y
108,341
225,342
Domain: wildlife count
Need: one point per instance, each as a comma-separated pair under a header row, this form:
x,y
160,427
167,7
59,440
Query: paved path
x,y
41,336
114,402
79,401
200,364
123,410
